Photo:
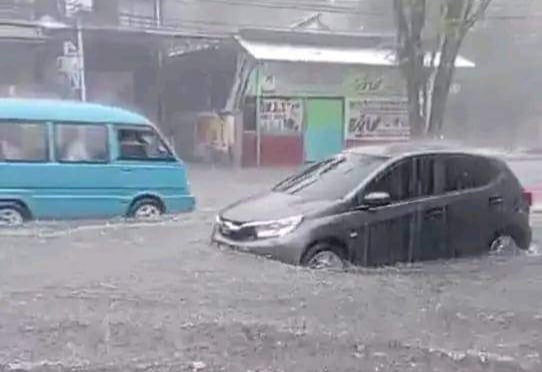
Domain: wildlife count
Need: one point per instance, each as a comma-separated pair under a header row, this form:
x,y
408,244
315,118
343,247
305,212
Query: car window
x,y
398,181
81,143
467,172
142,144
23,142
331,179
425,168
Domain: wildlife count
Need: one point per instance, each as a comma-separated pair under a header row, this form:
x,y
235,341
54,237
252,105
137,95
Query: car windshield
x,y
331,179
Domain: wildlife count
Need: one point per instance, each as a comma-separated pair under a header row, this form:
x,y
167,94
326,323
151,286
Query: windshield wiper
x,y
299,183
308,173
332,166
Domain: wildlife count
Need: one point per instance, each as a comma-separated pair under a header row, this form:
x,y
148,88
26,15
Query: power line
x,y
306,6
287,5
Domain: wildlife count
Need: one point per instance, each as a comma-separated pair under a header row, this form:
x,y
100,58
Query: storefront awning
x,y
265,51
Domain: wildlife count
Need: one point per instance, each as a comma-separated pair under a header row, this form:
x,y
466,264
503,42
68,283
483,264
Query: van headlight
x,y
276,229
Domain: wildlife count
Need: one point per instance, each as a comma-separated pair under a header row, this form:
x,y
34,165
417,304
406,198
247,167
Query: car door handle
x,y
496,200
127,170
434,213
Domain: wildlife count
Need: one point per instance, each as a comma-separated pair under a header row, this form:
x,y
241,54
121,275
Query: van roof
x,y
66,111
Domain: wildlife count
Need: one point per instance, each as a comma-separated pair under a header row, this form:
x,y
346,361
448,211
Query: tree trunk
x,y
410,21
441,91
449,48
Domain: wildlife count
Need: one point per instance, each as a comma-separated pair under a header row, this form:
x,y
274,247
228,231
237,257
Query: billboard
x,y
377,119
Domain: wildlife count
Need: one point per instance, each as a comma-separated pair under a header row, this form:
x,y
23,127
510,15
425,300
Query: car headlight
x,y
276,229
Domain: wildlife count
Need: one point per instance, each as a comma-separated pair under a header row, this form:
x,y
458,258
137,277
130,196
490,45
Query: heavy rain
x,y
147,149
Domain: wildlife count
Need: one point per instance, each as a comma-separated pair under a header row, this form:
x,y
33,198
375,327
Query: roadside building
x,y
312,94
26,50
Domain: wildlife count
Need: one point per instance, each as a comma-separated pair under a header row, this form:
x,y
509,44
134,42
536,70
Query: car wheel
x,y
146,210
12,216
504,243
324,257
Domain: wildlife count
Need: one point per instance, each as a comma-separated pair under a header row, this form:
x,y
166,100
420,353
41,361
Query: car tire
x,y
146,209
324,256
13,215
504,243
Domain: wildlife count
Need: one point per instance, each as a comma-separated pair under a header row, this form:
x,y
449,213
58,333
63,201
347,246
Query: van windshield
x,y
331,179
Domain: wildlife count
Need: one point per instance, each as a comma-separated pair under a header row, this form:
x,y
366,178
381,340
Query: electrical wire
x,y
286,5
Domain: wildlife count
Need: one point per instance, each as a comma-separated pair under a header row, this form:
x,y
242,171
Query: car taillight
x,y
528,197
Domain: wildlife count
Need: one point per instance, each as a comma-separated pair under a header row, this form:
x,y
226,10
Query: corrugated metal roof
x,y
265,51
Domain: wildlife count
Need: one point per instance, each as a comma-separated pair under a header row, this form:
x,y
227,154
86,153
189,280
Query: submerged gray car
x,y
377,206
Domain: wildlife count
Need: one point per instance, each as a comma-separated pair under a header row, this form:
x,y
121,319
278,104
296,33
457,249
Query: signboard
x,y
70,64
269,83
75,6
378,119
281,115
373,83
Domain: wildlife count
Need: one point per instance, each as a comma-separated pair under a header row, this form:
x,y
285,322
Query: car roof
x,y
402,149
66,111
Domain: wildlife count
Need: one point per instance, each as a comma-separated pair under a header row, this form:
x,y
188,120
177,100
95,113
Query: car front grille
x,y
236,231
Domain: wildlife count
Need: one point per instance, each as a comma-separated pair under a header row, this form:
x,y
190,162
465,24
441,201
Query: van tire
x,y
324,256
146,208
13,215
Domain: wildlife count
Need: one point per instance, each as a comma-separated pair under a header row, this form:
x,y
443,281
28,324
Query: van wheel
x,y
146,209
12,216
324,256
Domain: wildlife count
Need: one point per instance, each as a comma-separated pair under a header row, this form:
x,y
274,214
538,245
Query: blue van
x,y
72,160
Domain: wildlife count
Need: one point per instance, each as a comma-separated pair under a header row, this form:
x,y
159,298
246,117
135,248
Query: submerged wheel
x,y
324,257
12,216
504,243
146,209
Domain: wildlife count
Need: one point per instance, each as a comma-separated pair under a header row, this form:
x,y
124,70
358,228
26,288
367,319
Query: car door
x,y
24,160
432,242
145,165
470,199
79,183
387,234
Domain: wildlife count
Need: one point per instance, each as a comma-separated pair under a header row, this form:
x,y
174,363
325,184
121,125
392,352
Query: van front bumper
x,y
287,249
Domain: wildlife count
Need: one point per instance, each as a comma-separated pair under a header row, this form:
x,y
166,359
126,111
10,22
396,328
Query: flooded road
x,y
158,297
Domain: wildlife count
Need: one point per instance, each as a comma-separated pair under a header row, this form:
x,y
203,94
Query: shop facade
x,y
305,110
313,94
28,63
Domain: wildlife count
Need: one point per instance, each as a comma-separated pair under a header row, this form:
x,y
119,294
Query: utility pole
x,y
75,9
158,12
81,57
160,65
258,121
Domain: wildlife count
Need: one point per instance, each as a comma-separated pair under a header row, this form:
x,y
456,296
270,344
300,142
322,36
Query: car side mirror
x,y
376,200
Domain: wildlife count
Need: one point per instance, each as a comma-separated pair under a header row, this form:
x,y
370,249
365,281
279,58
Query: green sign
x,y
373,83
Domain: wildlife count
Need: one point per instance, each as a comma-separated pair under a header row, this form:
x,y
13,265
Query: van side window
x,y
397,181
142,144
22,142
468,172
79,143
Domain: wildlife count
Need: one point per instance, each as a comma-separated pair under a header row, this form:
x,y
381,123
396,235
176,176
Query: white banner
x,y
281,115
378,119
75,6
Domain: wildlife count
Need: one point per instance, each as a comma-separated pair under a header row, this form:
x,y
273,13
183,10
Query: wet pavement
x,y
157,297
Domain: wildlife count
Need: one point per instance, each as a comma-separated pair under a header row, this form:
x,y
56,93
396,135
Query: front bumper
x,y
286,249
